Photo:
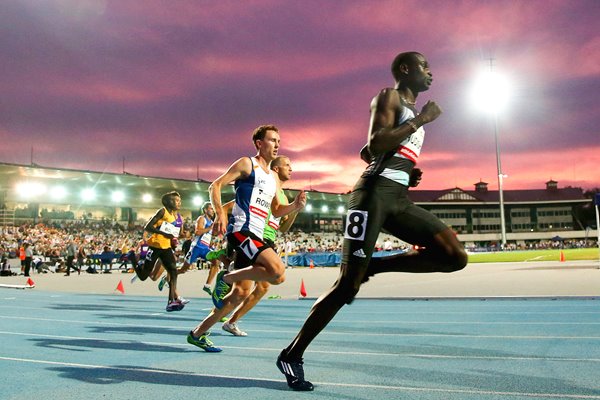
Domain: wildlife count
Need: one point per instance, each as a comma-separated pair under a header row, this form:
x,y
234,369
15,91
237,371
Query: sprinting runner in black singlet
x,y
379,201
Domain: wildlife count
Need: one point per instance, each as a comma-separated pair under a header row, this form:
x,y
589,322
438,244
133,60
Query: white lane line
x,y
340,322
359,353
390,320
340,315
335,384
329,332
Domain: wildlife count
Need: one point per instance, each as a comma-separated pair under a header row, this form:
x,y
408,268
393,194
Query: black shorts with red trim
x,y
247,247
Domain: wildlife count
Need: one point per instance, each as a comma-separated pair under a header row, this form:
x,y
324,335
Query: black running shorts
x,y
247,247
378,203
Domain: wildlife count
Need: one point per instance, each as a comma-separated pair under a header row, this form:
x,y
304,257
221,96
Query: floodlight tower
x,y
499,166
491,94
493,87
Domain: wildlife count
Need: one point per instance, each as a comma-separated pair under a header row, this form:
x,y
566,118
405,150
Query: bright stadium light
x,y
88,194
324,208
147,198
341,209
308,207
117,196
58,192
491,92
197,200
31,189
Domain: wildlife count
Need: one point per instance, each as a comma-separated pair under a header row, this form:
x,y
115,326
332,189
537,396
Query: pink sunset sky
x,y
176,87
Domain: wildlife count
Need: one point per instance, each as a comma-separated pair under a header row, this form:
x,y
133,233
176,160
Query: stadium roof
x,y
458,195
105,183
135,186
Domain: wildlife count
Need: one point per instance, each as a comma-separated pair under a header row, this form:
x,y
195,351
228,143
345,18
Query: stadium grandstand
x,y
33,194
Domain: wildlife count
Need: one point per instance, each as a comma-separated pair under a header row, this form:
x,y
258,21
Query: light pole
x,y
491,94
500,177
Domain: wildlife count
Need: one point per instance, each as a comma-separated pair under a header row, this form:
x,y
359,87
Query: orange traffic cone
x,y
302,289
120,287
562,256
311,264
30,282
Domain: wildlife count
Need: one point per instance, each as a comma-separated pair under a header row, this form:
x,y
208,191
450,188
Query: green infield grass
x,y
535,255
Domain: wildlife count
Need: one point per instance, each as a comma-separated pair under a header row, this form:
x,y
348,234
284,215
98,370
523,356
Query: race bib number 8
x,y
356,224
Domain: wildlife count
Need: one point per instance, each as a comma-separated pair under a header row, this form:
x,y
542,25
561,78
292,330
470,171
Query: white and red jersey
x,y
253,197
411,146
397,165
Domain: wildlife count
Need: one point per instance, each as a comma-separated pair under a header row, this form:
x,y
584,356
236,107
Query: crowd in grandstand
x,y
49,243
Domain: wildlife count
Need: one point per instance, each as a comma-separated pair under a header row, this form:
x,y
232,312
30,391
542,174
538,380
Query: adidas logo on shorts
x,y
359,253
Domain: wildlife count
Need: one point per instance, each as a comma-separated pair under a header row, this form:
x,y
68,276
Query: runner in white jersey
x,y
254,259
253,196
283,168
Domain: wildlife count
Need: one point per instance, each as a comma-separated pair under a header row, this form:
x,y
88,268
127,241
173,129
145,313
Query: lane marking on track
x,y
342,314
329,332
386,322
276,350
335,384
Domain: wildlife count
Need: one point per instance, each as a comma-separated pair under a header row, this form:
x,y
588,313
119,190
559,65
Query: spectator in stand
x,y
40,266
81,255
5,267
106,258
71,252
22,257
28,257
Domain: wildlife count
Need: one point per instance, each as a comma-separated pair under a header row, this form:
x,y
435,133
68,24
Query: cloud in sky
x,y
177,88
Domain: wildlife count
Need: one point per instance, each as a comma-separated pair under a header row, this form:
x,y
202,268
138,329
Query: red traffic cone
x,y
311,264
302,289
562,256
30,282
120,287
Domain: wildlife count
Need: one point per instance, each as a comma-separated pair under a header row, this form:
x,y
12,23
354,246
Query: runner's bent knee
x,y
453,254
273,266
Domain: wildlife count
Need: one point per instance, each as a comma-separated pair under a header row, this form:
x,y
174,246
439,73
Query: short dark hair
x,y
167,196
205,206
278,161
260,132
402,58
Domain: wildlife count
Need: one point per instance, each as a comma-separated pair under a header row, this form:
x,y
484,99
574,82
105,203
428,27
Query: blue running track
x,y
68,346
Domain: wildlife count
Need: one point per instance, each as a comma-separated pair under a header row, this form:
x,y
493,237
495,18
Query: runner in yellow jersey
x,y
164,226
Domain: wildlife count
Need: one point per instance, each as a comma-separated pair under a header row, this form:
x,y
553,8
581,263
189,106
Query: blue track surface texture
x,y
69,346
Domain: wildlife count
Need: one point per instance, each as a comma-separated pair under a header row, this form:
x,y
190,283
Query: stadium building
x,y
32,194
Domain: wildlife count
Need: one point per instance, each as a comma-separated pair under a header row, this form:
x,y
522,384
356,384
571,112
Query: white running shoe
x,y
233,329
183,300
